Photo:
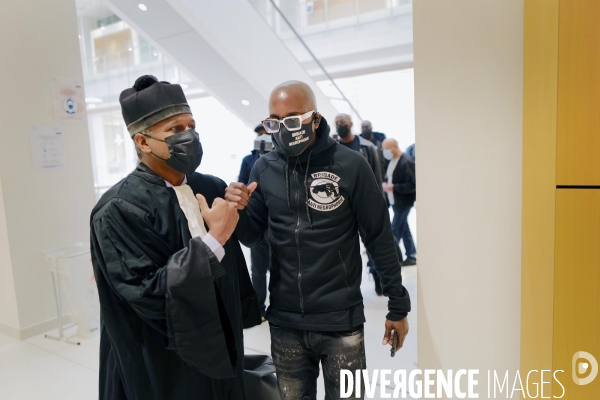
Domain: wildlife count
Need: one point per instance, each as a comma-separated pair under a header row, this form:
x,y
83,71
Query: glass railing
x,y
307,17
292,20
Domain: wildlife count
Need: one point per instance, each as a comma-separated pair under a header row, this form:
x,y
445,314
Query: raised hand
x,y
221,218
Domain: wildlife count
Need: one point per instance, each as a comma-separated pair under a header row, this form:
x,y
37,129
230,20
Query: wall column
x,y
468,104
39,210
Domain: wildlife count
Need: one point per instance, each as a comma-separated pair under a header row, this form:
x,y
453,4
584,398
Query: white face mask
x,y
387,154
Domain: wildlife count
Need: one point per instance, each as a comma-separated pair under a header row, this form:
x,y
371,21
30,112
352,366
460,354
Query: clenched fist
x,y
221,218
239,194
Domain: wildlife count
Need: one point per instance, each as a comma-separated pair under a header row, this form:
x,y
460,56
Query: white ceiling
x,y
224,45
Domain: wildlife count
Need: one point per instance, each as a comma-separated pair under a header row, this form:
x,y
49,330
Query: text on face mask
x,y
299,141
296,134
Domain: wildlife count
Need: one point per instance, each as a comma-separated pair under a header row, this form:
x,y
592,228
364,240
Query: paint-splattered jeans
x,y
296,355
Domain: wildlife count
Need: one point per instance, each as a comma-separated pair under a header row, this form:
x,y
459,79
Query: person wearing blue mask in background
x,y
401,190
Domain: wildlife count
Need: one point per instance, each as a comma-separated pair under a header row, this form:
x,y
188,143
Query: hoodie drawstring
x,y
287,182
307,189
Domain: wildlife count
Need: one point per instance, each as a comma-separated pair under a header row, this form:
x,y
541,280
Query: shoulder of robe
x,y
116,206
116,198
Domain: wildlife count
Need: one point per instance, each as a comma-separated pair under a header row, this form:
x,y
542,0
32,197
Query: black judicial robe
x,y
172,315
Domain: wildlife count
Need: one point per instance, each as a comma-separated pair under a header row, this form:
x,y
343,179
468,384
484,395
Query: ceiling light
x,y
184,86
91,106
130,49
155,54
103,28
245,102
142,7
93,100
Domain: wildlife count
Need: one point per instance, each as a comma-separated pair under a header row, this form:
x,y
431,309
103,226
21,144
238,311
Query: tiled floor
x,y
43,369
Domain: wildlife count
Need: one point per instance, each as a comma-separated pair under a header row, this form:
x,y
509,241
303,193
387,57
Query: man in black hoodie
x,y
310,197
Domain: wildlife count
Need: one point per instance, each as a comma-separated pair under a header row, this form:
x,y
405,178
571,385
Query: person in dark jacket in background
x,y
311,196
250,159
377,139
401,189
343,127
343,124
259,254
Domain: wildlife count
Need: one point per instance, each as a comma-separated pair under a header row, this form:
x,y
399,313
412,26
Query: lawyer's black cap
x,y
150,101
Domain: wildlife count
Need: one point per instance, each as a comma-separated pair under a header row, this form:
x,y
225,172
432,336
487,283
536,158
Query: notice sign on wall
x,y
69,103
47,147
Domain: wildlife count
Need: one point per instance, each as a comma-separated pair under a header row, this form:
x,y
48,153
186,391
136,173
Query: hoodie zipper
x,y
297,234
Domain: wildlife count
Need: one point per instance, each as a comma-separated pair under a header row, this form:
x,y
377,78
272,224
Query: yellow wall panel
x,y
578,137
577,286
560,310
540,77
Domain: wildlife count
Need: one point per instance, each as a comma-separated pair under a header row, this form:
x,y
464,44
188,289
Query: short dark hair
x,y
259,128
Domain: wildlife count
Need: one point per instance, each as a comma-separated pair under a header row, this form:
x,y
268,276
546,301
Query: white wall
x,y
9,317
468,101
43,209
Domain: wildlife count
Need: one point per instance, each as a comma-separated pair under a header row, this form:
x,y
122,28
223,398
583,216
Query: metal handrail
x,y
316,60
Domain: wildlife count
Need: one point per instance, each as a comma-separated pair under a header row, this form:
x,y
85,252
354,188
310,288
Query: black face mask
x,y
294,143
366,134
186,151
343,131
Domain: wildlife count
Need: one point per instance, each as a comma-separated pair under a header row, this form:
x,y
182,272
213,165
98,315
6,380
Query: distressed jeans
x,y
297,353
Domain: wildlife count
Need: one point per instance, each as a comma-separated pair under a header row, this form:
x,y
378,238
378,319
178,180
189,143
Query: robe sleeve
x,y
177,296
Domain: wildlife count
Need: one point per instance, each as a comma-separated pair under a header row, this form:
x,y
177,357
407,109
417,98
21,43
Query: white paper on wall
x,y
69,101
47,147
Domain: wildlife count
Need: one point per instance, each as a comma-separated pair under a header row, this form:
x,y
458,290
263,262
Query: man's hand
x,y
401,328
239,194
221,218
387,187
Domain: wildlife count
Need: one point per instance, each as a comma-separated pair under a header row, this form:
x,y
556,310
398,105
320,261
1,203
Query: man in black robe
x,y
174,298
